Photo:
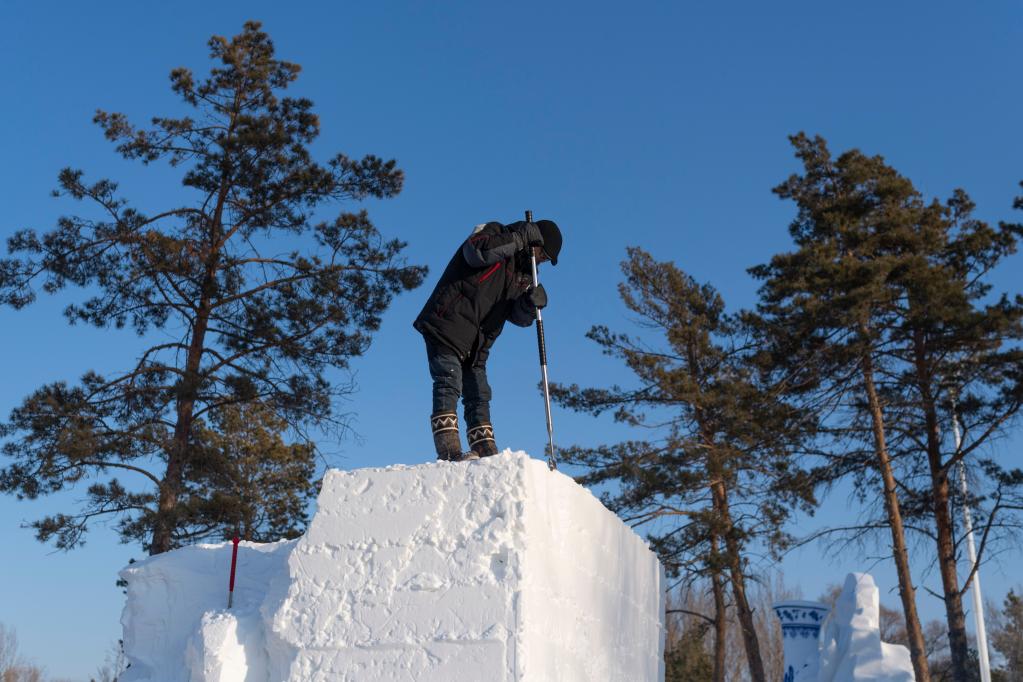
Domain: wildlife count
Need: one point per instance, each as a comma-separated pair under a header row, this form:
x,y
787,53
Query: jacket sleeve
x,y
523,312
493,243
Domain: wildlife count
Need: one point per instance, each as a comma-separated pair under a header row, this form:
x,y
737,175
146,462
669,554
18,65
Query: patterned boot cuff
x,y
480,434
447,421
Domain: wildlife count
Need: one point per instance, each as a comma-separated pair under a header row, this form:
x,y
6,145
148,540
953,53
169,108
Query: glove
x,y
537,296
530,232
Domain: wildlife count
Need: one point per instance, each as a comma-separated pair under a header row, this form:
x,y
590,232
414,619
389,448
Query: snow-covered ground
x,y
492,570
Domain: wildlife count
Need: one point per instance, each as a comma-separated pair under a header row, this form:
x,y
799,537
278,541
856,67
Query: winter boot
x,y
481,440
445,436
446,440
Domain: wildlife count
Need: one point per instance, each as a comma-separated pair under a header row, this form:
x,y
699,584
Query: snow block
x,y
492,570
851,649
217,653
176,624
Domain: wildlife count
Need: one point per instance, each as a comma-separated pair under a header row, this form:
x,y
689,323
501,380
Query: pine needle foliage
x,y
247,480
246,294
1007,638
879,321
715,477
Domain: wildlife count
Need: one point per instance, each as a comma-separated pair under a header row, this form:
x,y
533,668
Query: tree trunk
x,y
732,555
724,528
720,614
955,616
178,452
917,649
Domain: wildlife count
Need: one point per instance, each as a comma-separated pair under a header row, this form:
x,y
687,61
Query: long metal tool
x,y
552,462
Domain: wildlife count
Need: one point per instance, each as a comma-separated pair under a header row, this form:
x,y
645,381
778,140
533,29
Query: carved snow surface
x,y
851,649
176,626
492,570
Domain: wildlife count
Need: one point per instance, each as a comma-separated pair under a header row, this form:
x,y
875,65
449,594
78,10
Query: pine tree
x,y
958,354
827,309
686,658
1007,637
720,475
877,315
254,297
245,479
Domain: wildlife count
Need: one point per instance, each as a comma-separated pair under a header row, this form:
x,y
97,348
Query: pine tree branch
x,y
102,464
993,426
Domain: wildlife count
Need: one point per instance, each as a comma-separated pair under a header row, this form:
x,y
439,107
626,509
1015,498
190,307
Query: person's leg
x,y
476,397
446,372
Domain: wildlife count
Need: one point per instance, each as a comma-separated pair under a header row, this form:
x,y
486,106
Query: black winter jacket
x,y
482,286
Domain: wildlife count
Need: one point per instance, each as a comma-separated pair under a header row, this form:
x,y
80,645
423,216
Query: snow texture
x,y
492,570
850,647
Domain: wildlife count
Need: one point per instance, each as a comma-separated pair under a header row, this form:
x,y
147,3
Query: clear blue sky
x,y
656,124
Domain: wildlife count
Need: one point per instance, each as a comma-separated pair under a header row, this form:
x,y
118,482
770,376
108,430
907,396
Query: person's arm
x,y
493,244
523,309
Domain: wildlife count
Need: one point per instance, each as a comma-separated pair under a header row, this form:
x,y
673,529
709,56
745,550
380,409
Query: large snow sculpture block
x,y
495,570
851,649
491,570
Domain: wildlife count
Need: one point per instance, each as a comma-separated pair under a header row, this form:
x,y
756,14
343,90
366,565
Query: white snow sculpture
x,y
176,627
851,649
800,627
496,570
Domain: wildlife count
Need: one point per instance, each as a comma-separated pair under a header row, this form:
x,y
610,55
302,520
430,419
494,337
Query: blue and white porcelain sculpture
x,y
800,629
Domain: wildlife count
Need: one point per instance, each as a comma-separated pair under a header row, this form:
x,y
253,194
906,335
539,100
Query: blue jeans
x,y
453,378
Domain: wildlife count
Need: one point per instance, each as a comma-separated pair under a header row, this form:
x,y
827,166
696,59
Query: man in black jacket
x,y
488,281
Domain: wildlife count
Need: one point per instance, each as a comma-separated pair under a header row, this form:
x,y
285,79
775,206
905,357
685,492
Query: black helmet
x,y
551,239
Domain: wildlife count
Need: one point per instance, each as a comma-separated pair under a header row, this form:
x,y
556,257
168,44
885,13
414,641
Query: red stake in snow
x,y
234,563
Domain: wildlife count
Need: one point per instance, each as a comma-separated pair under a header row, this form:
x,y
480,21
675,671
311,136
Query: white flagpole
x,y
978,602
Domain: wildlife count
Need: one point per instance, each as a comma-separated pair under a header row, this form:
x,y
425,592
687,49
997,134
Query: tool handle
x,y
540,340
234,565
552,461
